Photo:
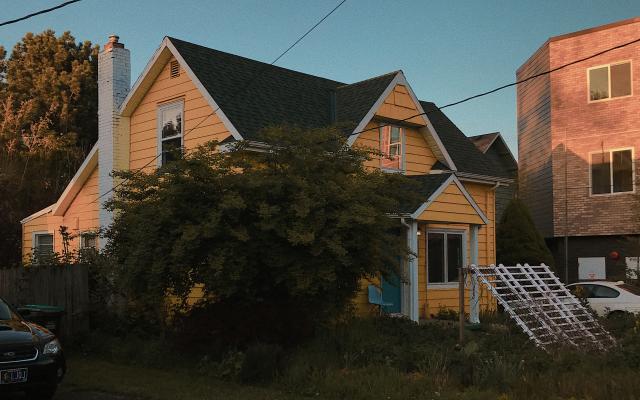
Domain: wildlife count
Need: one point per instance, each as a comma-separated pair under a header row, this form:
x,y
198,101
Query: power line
x,y
455,103
488,92
245,87
48,10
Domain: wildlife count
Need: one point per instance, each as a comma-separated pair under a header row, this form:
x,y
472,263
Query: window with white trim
x,y
42,245
170,133
610,81
391,147
88,240
612,171
444,256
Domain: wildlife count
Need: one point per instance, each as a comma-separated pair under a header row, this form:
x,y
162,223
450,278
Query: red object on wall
x,y
614,255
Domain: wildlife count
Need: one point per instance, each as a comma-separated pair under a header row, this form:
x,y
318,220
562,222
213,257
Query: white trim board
x,y
401,79
438,192
151,71
37,214
77,182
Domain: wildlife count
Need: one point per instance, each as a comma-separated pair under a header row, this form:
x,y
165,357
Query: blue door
x,y
391,294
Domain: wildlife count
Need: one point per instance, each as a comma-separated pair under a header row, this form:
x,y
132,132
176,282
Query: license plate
x,y
17,375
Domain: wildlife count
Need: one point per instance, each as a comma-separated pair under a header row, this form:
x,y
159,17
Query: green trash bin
x,y
49,317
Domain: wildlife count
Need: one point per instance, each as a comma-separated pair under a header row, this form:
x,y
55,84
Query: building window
x,y
42,245
444,256
88,240
612,171
391,146
610,81
170,126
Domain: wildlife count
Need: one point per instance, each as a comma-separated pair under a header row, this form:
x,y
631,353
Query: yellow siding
x,y
82,214
419,157
451,206
200,123
399,105
39,224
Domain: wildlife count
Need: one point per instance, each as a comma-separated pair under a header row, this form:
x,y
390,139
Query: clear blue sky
x,y
448,50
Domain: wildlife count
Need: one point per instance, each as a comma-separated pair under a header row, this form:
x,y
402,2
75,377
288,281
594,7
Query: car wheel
x,y
45,393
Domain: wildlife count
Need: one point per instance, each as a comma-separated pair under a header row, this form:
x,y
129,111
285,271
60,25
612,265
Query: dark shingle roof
x,y
463,152
425,186
355,100
482,142
256,95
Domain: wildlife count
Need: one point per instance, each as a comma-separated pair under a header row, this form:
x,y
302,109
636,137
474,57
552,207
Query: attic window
x,y
175,69
391,146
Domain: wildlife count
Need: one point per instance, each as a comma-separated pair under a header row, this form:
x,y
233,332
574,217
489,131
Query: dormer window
x,y
610,81
170,131
391,147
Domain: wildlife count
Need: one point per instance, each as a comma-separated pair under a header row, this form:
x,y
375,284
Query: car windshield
x,y
5,311
630,288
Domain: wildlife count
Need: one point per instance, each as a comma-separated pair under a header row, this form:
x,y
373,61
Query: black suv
x,y
31,358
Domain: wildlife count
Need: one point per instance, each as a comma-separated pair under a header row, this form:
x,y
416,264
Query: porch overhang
x,y
449,202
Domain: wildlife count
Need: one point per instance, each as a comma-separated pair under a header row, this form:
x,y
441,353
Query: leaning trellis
x,y
542,306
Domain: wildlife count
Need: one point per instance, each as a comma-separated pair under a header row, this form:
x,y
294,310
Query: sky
x,y
448,50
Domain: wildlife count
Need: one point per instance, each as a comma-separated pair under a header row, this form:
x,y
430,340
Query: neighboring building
x,y
189,94
495,148
578,131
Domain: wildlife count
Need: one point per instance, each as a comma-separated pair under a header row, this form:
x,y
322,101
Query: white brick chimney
x,y
114,82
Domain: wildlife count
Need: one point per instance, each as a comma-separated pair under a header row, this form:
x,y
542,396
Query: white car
x,y
608,298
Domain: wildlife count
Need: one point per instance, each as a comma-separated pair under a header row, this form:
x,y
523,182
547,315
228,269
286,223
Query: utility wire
x,y
455,103
488,92
48,10
245,87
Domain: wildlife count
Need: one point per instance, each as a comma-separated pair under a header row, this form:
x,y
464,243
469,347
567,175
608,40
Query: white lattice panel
x,y
543,307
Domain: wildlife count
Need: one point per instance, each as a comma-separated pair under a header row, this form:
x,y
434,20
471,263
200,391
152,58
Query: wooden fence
x,y
66,287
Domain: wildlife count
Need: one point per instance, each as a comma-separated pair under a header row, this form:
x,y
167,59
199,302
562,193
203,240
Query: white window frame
x,y
446,284
403,141
161,108
82,240
611,151
609,81
34,248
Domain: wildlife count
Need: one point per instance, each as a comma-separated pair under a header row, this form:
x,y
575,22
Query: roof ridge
x,y
344,85
484,134
171,38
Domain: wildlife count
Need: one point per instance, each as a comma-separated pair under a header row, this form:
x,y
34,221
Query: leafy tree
x,y
278,240
518,240
48,122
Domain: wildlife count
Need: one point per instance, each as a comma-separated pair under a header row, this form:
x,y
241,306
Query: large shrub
x,y
277,240
518,240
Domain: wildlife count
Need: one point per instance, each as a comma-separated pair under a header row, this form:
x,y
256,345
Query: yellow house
x,y
189,94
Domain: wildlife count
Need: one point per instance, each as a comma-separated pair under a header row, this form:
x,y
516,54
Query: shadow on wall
x,y
603,227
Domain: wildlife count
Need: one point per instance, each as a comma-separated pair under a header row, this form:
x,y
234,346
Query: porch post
x,y
413,271
474,306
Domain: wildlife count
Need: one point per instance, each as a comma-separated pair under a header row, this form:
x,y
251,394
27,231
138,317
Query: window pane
x,y
395,134
391,147
43,245
621,80
88,241
171,149
603,292
454,256
599,83
600,173
435,261
622,171
172,122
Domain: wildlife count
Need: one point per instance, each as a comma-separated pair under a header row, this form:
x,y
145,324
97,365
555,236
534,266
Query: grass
x,y
370,359
91,374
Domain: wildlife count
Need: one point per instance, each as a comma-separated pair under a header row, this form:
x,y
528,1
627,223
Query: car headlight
x,y
52,348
